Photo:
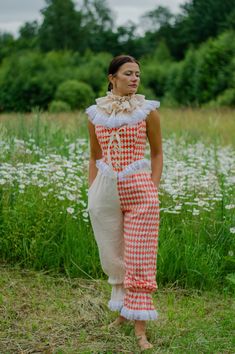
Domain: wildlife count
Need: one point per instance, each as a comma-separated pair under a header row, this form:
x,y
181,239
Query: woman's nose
x,y
134,78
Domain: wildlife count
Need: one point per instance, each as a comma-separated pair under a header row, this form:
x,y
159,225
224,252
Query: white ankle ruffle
x,y
141,315
115,305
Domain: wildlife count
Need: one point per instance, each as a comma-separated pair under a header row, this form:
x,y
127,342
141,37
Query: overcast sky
x,y
13,13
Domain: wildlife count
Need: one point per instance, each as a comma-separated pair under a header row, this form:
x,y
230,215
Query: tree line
x,y
61,63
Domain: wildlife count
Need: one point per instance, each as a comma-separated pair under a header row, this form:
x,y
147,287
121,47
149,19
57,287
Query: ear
x,y
111,78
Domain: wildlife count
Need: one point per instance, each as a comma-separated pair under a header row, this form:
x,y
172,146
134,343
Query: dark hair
x,y
117,62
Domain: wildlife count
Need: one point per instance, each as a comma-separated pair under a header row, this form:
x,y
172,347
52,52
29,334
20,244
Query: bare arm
x,y
95,153
155,141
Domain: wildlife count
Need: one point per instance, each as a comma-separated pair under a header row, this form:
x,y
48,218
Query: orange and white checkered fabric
x,y
140,207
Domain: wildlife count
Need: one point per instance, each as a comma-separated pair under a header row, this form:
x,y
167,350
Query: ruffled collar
x,y
113,104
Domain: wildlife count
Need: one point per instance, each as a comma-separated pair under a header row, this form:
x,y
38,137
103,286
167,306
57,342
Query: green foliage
x,y
7,45
59,106
214,69
204,74
28,38
207,19
184,85
74,42
77,94
91,25
154,77
22,83
147,92
31,79
94,71
226,99
60,28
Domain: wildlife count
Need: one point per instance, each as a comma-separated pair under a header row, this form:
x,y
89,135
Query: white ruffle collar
x,y
113,104
114,111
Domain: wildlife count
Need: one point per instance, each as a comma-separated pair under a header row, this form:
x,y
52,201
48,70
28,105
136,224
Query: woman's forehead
x,y
130,66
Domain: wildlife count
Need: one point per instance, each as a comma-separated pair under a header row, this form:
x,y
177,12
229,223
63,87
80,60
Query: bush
x,y
154,77
214,67
77,94
30,79
227,98
147,92
22,83
59,106
94,71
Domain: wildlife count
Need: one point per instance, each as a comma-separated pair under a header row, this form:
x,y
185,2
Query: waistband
x,y
143,165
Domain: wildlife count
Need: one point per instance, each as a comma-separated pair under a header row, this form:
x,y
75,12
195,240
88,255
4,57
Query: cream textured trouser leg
x,y
107,223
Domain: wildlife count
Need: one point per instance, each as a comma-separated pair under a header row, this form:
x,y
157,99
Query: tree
x,y
61,26
96,14
153,20
28,38
7,45
97,26
205,19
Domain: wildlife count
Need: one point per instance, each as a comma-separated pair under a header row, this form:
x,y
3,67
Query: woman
x,y
123,192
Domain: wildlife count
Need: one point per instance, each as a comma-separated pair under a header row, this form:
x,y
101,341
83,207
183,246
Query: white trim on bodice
x,y
143,165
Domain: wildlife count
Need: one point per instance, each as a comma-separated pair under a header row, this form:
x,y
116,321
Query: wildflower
x,y
70,210
85,214
230,206
201,203
232,230
60,197
71,196
195,211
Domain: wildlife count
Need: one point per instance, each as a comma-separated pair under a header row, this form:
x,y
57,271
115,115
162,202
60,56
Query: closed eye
x,y
130,72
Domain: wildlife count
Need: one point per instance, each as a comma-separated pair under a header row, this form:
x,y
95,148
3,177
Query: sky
x,y
13,13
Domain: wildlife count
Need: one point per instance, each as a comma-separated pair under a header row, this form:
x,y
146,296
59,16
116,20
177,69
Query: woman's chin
x,y
132,90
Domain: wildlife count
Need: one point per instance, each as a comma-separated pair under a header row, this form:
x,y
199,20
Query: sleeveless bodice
x,y
123,145
120,127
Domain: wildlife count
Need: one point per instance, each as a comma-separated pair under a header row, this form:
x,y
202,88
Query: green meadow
x,y
53,291
43,179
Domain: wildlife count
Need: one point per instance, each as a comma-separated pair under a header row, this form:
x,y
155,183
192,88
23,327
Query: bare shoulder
x,y
153,119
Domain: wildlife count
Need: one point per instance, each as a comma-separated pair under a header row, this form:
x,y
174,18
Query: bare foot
x,y
140,328
143,342
120,320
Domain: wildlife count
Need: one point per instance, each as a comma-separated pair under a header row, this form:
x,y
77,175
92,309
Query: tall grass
x,y
44,222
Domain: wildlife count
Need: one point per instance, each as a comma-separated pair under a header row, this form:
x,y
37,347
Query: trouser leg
x,y
141,223
107,223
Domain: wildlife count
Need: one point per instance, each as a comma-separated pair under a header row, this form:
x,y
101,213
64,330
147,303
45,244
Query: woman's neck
x,y
117,93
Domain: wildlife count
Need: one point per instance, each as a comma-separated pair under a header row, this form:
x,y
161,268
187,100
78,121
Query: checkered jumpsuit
x,y
124,212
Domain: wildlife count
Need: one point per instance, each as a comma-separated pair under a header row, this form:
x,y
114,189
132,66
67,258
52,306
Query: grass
x,y
48,313
207,124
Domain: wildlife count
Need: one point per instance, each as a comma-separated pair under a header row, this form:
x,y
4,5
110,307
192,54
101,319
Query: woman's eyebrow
x,y
137,71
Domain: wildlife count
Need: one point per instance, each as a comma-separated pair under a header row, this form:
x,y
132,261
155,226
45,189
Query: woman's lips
x,y
133,85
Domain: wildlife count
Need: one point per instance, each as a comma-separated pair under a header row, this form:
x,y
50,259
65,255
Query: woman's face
x,y
126,80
